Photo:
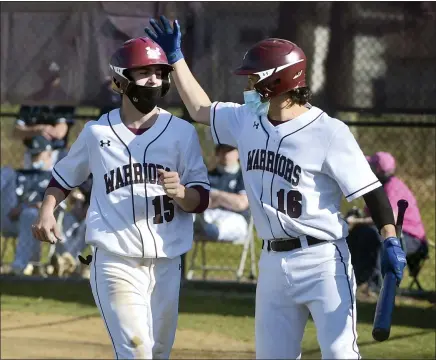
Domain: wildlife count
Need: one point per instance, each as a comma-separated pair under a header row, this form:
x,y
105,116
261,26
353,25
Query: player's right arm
x,y
194,97
68,173
46,225
225,119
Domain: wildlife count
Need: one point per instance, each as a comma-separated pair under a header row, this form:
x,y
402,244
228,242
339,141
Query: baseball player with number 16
x,y
148,180
297,161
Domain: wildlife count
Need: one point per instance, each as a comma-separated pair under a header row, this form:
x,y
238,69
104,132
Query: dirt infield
x,y
51,336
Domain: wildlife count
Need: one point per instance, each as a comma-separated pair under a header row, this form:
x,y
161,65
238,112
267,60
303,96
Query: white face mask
x,y
253,100
231,169
37,165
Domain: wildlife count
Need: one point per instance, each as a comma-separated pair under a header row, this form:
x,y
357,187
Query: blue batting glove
x,y
393,258
169,38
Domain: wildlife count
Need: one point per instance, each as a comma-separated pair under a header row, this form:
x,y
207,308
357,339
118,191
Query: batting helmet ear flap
x,y
116,86
267,91
166,83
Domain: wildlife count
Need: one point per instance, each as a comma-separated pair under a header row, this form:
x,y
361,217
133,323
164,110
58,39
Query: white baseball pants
x,y
138,301
318,280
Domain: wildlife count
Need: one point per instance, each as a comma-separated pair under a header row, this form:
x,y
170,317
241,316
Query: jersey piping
x,y
131,186
145,188
71,187
99,302
213,123
263,172
196,182
353,320
272,181
362,188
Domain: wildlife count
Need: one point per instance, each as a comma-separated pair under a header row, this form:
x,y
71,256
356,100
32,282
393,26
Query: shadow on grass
x,y
190,302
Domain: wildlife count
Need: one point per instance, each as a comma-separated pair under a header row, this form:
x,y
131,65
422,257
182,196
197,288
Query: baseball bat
x,y
386,300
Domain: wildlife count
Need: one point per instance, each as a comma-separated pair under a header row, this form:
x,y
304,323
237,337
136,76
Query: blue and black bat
x,y
386,301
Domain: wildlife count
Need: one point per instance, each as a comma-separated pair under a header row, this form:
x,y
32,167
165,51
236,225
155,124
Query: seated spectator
x,y
362,228
65,259
108,99
22,192
227,215
51,122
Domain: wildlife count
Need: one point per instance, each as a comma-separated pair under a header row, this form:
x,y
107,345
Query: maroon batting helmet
x,y
135,54
280,65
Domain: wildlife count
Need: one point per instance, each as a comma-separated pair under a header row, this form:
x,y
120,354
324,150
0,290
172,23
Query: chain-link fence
x,y
411,140
373,55
362,56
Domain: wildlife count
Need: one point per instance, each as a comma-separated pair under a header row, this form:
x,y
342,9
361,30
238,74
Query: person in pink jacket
x,y
414,236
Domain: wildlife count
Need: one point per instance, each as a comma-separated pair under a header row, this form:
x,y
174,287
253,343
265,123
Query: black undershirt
x,y
379,207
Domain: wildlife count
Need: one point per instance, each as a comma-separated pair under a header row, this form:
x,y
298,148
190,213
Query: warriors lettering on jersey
x,y
124,176
261,159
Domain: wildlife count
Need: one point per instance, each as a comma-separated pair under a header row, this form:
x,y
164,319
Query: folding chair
x,y
248,246
415,262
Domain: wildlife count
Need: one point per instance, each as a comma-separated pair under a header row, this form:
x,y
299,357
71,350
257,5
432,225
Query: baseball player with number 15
x,y
297,162
148,180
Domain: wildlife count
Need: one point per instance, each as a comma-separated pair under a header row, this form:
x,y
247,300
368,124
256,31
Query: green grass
x,y
412,336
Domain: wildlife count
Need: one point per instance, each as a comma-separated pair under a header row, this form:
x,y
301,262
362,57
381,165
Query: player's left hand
x,y
169,38
393,258
170,182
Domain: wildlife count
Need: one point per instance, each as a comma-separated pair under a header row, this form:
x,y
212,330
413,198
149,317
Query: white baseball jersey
x,y
129,213
295,173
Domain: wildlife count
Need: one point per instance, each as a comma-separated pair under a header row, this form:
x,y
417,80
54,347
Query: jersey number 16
x,y
293,203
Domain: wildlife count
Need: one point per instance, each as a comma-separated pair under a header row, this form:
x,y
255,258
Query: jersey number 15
x,y
168,209
293,203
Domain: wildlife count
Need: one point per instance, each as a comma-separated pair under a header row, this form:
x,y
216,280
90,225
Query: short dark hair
x,y
300,96
224,147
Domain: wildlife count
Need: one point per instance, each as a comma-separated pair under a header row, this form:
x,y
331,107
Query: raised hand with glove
x,y
169,38
393,258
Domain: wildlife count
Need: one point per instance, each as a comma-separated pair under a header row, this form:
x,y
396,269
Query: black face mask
x,y
144,98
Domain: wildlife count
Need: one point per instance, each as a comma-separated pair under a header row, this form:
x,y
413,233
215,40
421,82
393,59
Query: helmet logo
x,y
153,53
117,69
265,74
298,74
